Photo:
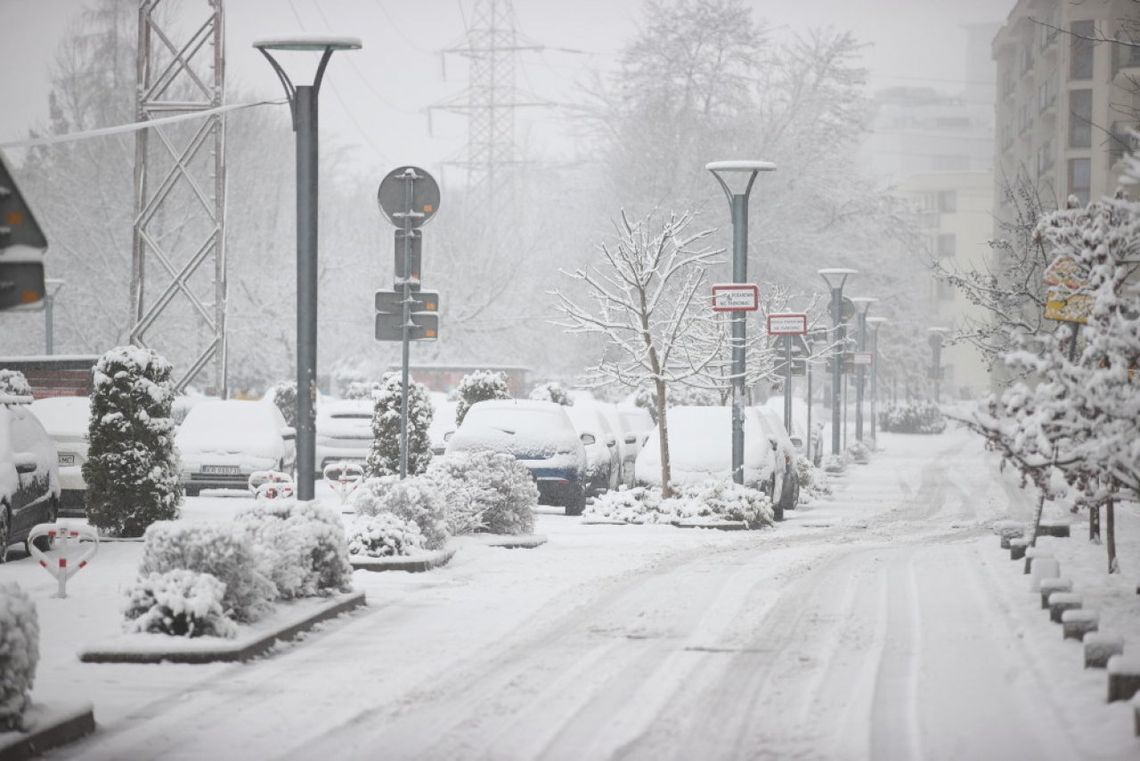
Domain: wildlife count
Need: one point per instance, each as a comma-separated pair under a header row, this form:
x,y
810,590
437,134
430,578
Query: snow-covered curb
x,y
422,561
285,623
508,541
48,727
719,525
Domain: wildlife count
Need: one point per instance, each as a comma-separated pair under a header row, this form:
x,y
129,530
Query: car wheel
x,y
5,533
45,543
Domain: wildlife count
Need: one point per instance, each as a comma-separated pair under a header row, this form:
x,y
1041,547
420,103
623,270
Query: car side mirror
x,y
25,462
631,439
772,442
611,442
447,436
587,438
288,433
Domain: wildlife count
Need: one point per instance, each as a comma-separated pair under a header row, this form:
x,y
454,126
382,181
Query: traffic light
x,y
22,246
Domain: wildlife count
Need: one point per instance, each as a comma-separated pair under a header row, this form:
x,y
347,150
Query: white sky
x,y
376,101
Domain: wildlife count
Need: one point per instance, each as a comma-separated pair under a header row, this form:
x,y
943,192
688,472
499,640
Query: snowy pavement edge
x,y
51,727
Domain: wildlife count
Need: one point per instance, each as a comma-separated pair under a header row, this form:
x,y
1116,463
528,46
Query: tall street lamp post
x,y
836,278
54,286
862,305
303,104
875,323
936,359
736,178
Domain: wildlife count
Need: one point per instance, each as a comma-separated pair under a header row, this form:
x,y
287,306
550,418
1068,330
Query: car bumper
x,y
556,486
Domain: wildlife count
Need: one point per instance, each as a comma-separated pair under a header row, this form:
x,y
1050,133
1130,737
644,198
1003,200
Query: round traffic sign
x,y
408,195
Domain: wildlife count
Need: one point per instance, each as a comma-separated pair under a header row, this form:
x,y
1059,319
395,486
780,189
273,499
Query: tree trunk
x,y
663,438
1037,520
1110,531
1094,524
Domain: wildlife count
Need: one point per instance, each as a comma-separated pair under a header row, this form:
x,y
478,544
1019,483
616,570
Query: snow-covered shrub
x,y
300,546
19,654
13,383
834,463
485,490
178,602
636,505
416,499
285,397
811,478
479,386
132,470
912,417
221,550
383,535
552,391
384,456
718,500
858,452
360,390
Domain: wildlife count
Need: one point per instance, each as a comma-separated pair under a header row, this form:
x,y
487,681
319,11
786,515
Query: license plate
x,y
67,459
221,470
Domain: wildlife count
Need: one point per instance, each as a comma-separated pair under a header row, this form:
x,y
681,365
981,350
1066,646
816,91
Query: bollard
x,y
1049,586
1059,602
271,490
62,567
1100,646
259,477
1075,624
344,477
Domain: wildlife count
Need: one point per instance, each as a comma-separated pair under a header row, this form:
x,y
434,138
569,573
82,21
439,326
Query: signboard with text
x,y
735,297
791,324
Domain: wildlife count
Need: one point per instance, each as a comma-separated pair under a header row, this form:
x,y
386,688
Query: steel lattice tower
x,y
180,184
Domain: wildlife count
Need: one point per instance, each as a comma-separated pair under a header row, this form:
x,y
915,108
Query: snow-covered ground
x,y
884,622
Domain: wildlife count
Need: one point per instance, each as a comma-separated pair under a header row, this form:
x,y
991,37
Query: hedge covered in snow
x,y
414,499
552,391
384,455
383,535
179,602
300,546
19,654
479,386
13,383
912,417
485,491
712,501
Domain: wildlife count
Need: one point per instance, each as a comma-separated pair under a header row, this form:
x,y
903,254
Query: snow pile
x,y
912,417
223,551
19,654
552,391
13,383
479,386
383,535
485,491
637,505
132,470
416,499
812,480
178,602
384,456
300,546
711,501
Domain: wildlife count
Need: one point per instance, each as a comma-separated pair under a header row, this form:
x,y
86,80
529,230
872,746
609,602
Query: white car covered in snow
x,y
537,434
443,425
29,475
66,419
787,489
221,443
603,458
700,448
344,431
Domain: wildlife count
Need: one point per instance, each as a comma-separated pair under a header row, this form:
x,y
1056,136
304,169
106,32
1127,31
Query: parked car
x,y
538,434
637,421
344,431
29,475
442,421
222,442
799,434
786,491
66,419
603,459
700,448
628,442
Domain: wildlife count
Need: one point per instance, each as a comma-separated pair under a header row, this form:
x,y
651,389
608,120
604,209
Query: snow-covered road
x,y
879,624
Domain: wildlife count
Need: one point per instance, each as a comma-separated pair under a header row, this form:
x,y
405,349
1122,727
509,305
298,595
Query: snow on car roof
x,y
63,415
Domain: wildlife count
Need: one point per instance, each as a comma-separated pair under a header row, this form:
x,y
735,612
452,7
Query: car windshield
x,y
516,421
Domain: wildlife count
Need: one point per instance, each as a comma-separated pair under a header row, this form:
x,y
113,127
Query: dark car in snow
x,y
29,474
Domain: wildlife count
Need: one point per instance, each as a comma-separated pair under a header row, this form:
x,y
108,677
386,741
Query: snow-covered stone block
x,y
1041,568
1059,602
1017,547
1060,528
1075,624
1032,553
1100,646
1049,586
1123,677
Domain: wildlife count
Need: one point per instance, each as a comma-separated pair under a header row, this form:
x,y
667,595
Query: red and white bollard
x,y
270,484
62,567
343,477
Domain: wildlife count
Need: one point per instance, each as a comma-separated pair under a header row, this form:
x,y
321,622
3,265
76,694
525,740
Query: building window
x,y
1045,157
1080,118
948,201
1081,50
947,244
1080,179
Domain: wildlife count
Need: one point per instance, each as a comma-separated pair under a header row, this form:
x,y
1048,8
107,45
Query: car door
x,y
34,455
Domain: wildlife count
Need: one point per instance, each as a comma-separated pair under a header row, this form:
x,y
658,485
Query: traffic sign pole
x,y
788,384
409,180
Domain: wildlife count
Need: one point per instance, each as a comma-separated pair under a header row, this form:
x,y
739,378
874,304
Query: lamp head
x,y
863,303
836,277
736,177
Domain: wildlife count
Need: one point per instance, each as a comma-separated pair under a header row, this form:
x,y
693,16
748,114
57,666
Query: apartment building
x,y
1068,97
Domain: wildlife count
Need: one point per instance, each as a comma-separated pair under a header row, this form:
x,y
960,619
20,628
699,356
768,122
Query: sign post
x,y
408,198
788,326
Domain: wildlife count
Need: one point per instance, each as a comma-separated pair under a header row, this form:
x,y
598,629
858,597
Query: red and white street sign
x,y
861,358
792,324
735,297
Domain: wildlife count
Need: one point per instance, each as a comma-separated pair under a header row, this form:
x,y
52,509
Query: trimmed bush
x,y
637,505
383,536
485,491
223,551
552,391
479,386
413,499
13,383
384,456
300,546
912,417
132,470
716,500
19,654
178,602
285,397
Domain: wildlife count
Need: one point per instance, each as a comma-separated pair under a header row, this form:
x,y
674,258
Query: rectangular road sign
x,y
861,358
735,297
392,302
791,324
424,326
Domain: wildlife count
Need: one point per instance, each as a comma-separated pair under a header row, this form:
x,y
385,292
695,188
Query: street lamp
x,y
736,178
53,287
303,106
862,304
836,278
936,359
875,323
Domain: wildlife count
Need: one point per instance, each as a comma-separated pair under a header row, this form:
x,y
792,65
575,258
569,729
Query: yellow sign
x,y
1063,306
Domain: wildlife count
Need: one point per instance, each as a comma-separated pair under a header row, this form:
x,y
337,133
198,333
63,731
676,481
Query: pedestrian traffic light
x,y
22,246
